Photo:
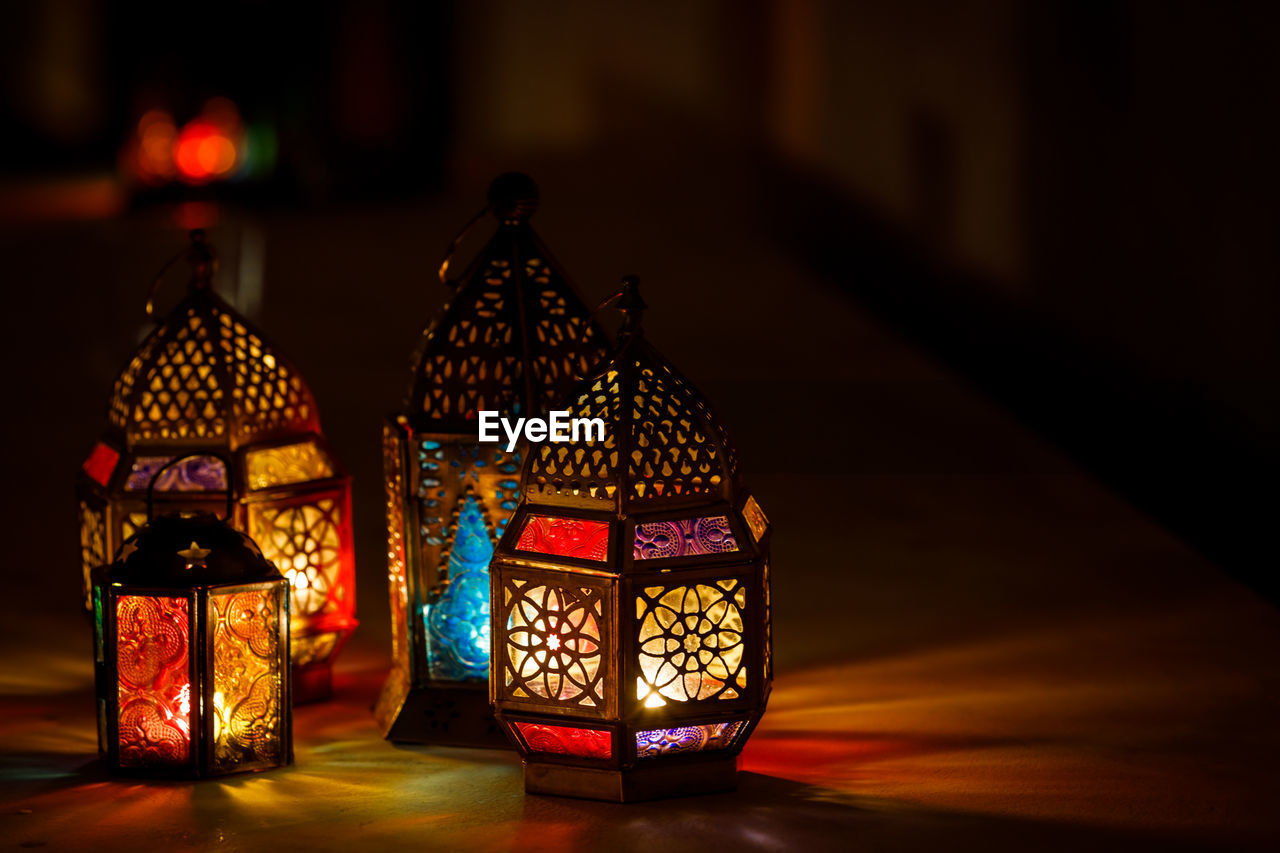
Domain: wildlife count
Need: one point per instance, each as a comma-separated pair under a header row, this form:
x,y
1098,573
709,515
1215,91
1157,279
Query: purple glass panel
x,y
706,738
197,474
686,537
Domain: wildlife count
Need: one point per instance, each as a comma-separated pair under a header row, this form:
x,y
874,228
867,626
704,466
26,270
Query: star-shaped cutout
x,y
194,554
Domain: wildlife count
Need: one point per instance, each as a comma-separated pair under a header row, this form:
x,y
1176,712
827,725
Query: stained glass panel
x,y
704,738
657,540
691,644
247,700
567,740
458,621
154,681
553,643
303,543
754,516
101,463
193,474
290,463
565,537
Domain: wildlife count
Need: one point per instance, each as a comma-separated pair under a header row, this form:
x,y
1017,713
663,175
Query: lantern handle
x,y
226,468
457,241
203,265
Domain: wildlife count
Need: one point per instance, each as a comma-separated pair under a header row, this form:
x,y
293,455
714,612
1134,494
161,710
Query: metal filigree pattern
x,y
303,543
397,575
691,643
705,738
565,537
566,740
553,646
676,447
93,542
755,518
286,464
247,678
154,680
657,540
194,474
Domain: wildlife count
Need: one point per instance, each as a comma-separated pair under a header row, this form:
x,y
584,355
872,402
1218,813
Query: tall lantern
x,y
191,646
631,593
206,385
513,338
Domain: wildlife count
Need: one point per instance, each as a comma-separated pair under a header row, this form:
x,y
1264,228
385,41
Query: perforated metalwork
x,y
553,643
303,542
691,642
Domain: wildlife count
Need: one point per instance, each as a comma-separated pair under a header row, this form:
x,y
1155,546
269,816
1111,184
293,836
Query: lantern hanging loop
x,y
226,467
453,246
513,197
203,265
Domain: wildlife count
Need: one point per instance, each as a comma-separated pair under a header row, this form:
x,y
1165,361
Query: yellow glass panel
x,y
247,679
754,516
691,642
289,463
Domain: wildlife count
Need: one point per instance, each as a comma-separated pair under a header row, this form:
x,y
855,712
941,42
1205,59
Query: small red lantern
x,y
207,386
631,618
191,650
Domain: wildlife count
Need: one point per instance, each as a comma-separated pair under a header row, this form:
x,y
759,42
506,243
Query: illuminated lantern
x,y
632,650
205,384
191,645
514,338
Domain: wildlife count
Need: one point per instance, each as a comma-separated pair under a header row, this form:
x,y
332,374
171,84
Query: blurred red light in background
x,y
202,152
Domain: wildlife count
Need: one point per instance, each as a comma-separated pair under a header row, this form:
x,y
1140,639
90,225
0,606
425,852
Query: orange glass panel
x,y
565,537
154,681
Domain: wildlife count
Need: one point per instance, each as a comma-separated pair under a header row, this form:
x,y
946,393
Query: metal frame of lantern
x,y
206,384
631,619
191,651
513,338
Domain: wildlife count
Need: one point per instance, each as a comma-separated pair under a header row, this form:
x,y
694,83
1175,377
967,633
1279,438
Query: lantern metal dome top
x,y
663,446
206,374
184,551
515,334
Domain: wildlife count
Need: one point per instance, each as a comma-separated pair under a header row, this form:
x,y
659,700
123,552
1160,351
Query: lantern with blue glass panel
x,y
513,338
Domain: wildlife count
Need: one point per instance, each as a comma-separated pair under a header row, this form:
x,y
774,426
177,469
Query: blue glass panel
x,y
458,622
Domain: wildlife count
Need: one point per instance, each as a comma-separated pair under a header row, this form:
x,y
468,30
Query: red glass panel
x,y
565,537
101,462
154,690
567,740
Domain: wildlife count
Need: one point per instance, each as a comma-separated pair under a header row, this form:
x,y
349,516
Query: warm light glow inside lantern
x,y
191,644
207,385
513,339
631,594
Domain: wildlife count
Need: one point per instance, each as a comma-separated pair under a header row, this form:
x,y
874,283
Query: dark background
x,y
943,267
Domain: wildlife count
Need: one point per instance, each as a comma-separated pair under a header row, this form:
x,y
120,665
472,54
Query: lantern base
x,y
678,778
440,713
312,683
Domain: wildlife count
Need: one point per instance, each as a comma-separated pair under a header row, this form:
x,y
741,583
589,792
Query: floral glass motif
x,y
565,537
193,474
286,464
691,645
458,622
553,643
303,543
101,463
566,740
247,668
704,738
152,647
657,540
754,517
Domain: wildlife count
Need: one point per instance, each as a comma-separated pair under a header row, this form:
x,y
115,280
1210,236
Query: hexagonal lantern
x,y
206,380
631,619
191,652
513,338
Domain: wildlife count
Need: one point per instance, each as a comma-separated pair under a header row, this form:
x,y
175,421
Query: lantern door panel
x,y
556,643
247,650
154,679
